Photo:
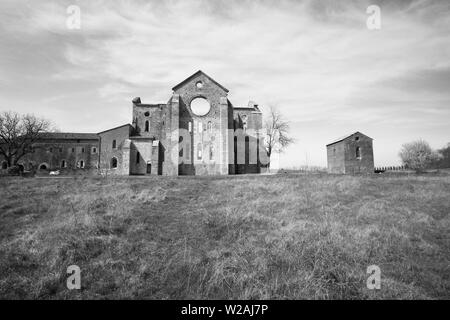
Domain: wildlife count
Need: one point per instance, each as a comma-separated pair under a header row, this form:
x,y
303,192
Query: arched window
x,y
190,126
114,144
4,165
147,126
113,163
244,122
209,126
43,166
138,157
199,151
80,164
358,153
200,127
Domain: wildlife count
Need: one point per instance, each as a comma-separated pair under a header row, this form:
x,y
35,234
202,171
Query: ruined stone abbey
x,y
197,132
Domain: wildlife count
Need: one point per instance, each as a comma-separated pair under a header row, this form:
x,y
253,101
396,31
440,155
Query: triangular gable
x,y
199,72
348,136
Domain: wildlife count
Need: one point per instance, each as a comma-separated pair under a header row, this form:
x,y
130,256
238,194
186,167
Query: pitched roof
x,y
68,136
124,125
199,72
345,137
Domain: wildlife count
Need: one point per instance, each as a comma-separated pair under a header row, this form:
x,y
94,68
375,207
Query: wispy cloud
x,y
315,60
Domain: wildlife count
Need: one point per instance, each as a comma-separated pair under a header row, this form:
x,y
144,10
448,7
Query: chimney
x,y
252,104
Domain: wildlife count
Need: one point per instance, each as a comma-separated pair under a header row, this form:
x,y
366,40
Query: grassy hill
x,y
243,237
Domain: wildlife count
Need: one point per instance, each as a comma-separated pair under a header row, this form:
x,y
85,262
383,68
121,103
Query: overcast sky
x,y
315,60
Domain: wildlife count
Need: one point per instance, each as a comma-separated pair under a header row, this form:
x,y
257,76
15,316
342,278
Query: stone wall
x,y
121,150
336,157
364,164
207,143
140,155
64,155
342,156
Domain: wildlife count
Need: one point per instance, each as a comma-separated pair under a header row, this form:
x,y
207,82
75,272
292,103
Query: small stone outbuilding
x,y
351,154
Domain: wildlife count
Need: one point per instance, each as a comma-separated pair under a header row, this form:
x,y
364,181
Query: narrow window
x,y
199,151
73,150
147,125
211,153
82,150
209,126
190,126
51,149
113,163
94,150
63,164
200,127
358,153
195,126
138,157
114,144
81,164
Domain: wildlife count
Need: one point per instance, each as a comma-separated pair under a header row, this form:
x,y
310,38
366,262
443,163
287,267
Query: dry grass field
x,y
244,237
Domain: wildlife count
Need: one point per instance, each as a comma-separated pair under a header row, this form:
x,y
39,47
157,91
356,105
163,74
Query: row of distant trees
x,y
419,156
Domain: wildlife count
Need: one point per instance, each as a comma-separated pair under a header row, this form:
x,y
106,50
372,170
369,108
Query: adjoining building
x,y
351,154
197,132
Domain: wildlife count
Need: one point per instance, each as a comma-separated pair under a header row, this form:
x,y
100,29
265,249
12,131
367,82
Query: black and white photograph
x,y
224,154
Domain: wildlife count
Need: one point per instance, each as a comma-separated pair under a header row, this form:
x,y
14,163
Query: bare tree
x,y
277,132
18,133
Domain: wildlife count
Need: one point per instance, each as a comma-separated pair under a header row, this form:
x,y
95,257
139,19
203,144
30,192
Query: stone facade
x,y
351,154
66,152
197,132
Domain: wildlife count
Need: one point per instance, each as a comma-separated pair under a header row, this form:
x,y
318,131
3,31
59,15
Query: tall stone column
x,y
126,157
224,139
155,157
172,138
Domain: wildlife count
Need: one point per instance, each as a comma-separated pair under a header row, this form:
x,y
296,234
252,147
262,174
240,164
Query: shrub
x,y
418,155
15,170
